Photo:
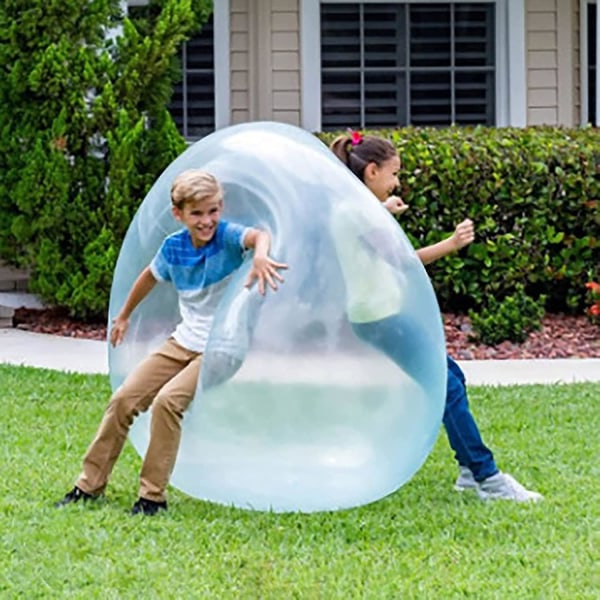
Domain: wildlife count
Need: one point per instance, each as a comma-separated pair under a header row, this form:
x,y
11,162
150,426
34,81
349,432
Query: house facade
x,y
333,64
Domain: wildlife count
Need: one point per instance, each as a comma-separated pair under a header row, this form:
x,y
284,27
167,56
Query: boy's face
x,y
382,179
201,218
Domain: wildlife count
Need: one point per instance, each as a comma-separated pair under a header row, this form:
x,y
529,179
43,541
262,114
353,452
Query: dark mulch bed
x,y
561,336
57,322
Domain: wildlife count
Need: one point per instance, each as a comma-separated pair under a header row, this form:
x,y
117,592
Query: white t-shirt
x,y
200,276
373,286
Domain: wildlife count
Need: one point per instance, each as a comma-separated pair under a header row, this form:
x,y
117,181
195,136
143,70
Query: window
x,y
399,63
590,100
592,63
193,102
414,62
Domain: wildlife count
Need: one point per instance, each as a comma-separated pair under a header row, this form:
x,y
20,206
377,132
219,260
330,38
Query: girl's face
x,y
201,218
382,179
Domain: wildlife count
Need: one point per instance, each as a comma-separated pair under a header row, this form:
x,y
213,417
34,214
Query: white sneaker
x,y
465,480
503,486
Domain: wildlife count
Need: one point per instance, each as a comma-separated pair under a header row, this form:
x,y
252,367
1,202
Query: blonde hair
x,y
193,185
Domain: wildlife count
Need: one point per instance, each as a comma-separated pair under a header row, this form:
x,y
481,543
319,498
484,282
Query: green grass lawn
x,y
424,541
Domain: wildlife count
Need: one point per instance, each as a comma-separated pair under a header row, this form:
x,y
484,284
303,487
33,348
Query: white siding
x,y
240,63
542,62
552,33
285,48
265,60
568,24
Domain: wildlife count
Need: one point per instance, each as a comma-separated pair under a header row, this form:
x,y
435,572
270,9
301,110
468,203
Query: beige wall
x,y
265,60
552,59
239,57
285,41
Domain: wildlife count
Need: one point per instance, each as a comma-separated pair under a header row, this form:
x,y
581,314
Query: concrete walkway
x,y
87,356
13,293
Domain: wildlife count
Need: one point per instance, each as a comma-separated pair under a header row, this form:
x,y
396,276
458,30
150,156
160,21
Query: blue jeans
x,y
463,433
413,357
404,342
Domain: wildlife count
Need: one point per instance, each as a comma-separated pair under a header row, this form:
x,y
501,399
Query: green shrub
x,y
84,133
534,196
512,318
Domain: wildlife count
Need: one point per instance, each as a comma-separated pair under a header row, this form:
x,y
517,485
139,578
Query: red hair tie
x,y
356,136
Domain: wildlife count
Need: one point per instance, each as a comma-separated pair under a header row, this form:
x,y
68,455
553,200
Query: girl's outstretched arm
x,y
463,235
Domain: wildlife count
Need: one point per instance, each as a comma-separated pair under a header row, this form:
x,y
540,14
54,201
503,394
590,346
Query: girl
x,y
375,162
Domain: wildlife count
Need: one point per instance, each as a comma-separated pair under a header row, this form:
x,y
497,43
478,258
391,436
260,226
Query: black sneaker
x,y
75,495
147,507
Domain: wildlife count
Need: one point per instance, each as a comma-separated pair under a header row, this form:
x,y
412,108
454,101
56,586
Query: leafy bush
x,y
534,196
84,132
511,319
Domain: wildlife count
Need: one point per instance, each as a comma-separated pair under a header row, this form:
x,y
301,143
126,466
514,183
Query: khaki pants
x,y
166,380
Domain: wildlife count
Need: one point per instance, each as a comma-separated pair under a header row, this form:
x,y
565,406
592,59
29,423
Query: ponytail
x,y
356,151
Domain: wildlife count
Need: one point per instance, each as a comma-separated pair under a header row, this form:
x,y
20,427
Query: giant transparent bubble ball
x,y
298,407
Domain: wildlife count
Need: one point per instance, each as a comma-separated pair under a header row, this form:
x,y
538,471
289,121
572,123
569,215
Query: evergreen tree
x,y
84,132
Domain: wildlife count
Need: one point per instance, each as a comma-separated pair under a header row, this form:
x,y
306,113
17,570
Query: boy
x,y
197,260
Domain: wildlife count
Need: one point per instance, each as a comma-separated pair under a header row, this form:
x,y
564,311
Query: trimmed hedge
x,y
533,194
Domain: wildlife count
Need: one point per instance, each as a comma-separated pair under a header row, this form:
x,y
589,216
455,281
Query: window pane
x,y
474,93
341,101
474,35
200,50
592,58
193,104
429,35
385,35
430,98
340,35
201,104
385,100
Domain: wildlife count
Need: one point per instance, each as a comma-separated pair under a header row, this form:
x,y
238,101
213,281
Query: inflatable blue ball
x,y
326,394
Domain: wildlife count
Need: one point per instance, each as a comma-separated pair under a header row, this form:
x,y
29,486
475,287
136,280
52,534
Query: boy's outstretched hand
x,y
464,234
264,270
118,330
